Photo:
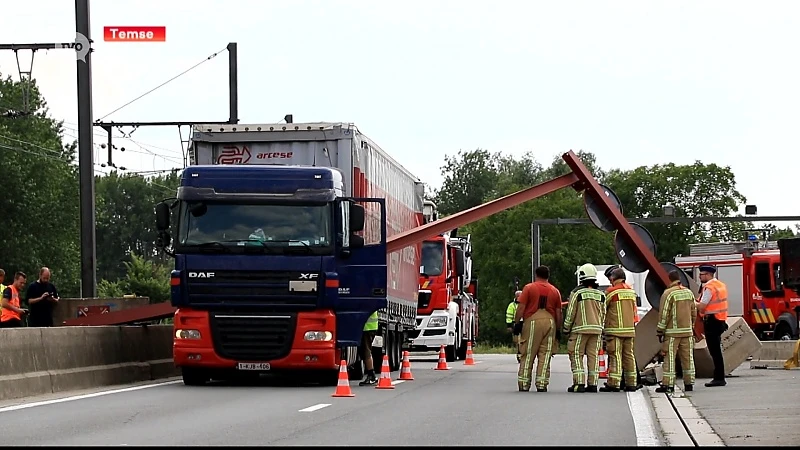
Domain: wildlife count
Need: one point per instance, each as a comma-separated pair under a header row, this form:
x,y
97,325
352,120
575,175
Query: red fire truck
x,y
762,281
447,311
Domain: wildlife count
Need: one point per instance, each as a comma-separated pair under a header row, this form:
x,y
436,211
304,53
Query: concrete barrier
x,y
35,361
739,342
773,354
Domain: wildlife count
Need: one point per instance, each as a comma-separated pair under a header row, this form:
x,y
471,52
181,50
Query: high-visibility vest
x,y
8,314
718,306
511,311
372,322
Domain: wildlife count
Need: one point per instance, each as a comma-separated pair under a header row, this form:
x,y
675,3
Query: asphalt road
x,y
467,405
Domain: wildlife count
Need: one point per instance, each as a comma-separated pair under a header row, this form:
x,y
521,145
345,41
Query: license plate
x,y
253,366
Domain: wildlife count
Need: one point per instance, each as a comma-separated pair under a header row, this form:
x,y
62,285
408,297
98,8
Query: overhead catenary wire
x,y
208,58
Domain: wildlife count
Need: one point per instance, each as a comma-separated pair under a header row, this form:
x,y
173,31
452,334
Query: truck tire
x,y
462,351
451,351
193,376
356,371
397,350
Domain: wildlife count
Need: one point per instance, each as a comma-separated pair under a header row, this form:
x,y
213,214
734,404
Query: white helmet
x,y
586,272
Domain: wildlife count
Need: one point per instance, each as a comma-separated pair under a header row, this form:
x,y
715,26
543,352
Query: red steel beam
x,y
138,314
592,187
419,234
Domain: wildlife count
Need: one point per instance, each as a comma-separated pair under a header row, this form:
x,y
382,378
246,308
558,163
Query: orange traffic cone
x,y
343,386
470,361
602,357
405,369
442,360
385,381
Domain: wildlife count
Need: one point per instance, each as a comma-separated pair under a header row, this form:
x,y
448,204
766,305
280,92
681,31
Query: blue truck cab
x,y
271,270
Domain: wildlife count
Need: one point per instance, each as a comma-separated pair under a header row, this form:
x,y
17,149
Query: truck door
x,y
361,265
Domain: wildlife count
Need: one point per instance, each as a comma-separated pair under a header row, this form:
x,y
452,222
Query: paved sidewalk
x,y
757,407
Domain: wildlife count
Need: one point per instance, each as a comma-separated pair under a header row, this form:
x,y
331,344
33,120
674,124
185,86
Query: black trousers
x,y
713,331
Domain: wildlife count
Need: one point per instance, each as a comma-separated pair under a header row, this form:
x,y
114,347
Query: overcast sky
x,y
637,83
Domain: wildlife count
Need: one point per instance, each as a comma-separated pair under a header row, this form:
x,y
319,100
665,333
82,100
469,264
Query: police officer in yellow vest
x,y
620,331
584,324
370,330
511,311
675,330
713,306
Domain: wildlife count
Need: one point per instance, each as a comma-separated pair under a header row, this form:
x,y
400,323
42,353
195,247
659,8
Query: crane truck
x,y
447,311
763,281
280,250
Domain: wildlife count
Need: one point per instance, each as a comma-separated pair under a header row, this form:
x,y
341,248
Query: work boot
x,y
632,388
576,388
714,383
663,389
591,388
608,388
688,387
524,389
369,380
541,389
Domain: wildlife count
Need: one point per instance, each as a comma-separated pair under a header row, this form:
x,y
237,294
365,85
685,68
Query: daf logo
x,y
308,276
201,274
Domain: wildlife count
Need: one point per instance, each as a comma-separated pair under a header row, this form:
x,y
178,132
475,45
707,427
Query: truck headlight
x,y
438,321
187,334
318,336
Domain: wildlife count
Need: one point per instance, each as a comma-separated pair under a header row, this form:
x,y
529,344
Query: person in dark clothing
x,y
42,297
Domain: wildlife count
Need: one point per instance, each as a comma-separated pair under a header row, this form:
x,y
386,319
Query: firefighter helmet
x,y
586,272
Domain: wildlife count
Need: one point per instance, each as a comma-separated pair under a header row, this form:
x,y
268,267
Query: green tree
x,y
40,203
469,179
125,207
144,278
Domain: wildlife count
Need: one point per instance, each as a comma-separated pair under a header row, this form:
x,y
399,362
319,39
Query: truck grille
x,y
423,300
248,287
253,337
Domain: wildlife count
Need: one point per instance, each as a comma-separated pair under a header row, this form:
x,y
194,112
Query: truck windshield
x,y
273,225
432,258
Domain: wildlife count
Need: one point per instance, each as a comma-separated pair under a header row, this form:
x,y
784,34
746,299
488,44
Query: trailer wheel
x,y
193,376
356,371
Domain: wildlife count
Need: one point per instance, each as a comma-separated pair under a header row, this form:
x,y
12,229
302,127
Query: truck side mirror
x,y
356,220
459,262
162,217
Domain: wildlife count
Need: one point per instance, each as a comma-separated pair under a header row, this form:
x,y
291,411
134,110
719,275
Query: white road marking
x,y
643,421
316,407
85,396
395,382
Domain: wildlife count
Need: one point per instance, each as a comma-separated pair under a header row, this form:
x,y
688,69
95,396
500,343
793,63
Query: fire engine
x,y
447,310
761,279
